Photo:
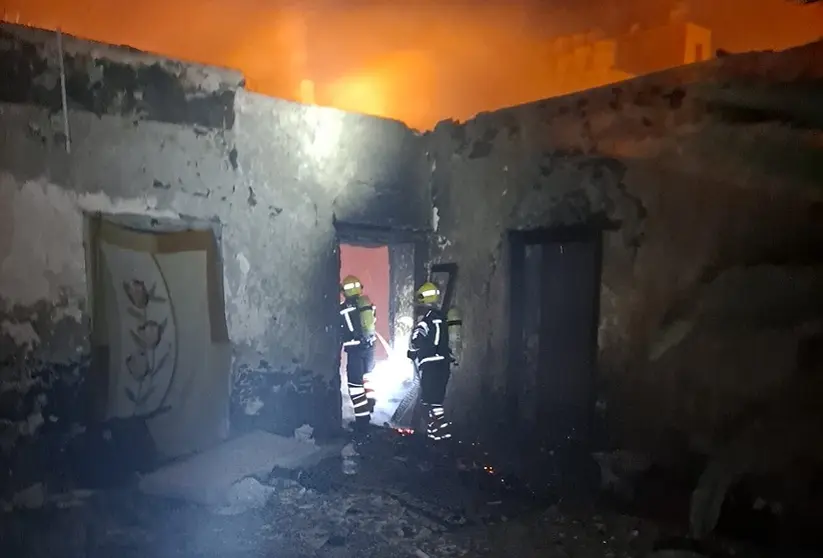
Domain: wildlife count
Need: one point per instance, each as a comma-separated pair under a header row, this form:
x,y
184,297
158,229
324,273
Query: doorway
x,y
160,347
554,314
370,264
388,263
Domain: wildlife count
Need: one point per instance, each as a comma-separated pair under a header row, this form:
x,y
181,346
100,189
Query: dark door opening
x,y
389,263
554,313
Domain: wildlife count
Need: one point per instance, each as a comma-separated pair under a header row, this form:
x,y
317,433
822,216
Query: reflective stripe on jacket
x,y
430,338
357,320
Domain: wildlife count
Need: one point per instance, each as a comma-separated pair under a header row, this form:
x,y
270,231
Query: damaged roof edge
x,y
210,79
248,101
198,80
766,70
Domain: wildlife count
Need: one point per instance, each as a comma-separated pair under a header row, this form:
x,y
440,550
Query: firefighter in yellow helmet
x,y
357,322
429,349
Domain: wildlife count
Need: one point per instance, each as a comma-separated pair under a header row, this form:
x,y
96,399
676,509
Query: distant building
x,y
409,84
658,48
584,61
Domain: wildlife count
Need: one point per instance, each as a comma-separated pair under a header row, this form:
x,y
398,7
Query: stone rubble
x,y
245,495
304,434
355,518
299,521
390,507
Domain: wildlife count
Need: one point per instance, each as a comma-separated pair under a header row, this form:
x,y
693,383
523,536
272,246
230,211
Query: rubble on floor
x,y
295,521
403,500
245,495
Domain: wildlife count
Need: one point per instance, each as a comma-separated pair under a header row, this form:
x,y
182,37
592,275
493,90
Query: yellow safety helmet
x,y
428,293
351,286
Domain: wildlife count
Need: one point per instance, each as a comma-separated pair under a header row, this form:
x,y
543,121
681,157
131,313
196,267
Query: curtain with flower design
x,y
159,326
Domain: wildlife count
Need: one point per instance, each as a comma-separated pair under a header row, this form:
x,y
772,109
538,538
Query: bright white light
x,y
390,381
326,126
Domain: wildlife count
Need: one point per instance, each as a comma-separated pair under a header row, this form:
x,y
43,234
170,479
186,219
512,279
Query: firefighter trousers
x,y
434,378
359,362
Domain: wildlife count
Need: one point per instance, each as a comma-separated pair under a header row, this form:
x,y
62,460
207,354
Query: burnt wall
x,y
690,172
118,81
166,140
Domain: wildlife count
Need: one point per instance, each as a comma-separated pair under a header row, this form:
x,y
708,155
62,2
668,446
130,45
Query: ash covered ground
x,y
404,500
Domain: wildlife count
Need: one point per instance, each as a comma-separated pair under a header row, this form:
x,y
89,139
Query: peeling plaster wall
x,y
163,139
699,169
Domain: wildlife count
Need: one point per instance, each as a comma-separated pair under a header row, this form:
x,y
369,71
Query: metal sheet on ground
x,y
207,477
407,410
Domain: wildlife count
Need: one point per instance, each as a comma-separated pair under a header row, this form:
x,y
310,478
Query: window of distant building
x,y
698,52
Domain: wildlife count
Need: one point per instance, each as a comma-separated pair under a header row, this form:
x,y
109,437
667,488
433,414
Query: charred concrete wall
x,y
701,169
164,139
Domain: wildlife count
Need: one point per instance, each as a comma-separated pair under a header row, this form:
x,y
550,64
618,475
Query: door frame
x,y
373,235
94,225
450,269
517,240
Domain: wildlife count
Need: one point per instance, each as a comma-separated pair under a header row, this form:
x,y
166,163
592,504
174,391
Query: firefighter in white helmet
x,y
429,348
357,322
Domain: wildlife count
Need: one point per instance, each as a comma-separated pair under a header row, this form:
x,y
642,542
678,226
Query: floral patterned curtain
x,y
158,298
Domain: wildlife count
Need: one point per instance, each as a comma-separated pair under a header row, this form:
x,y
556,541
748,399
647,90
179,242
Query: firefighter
x,y
429,348
357,322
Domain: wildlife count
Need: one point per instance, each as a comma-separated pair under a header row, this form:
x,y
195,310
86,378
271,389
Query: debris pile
x,y
400,502
358,520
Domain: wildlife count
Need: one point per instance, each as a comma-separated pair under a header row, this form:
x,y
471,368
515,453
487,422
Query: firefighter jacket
x,y
357,321
430,339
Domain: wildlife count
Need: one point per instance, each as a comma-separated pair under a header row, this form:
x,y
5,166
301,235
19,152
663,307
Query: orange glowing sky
x,y
416,60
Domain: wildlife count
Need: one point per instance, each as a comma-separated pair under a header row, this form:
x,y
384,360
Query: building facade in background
x,y
585,61
412,87
644,51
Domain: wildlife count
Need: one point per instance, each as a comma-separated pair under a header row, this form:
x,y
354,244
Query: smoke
x,y
390,380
